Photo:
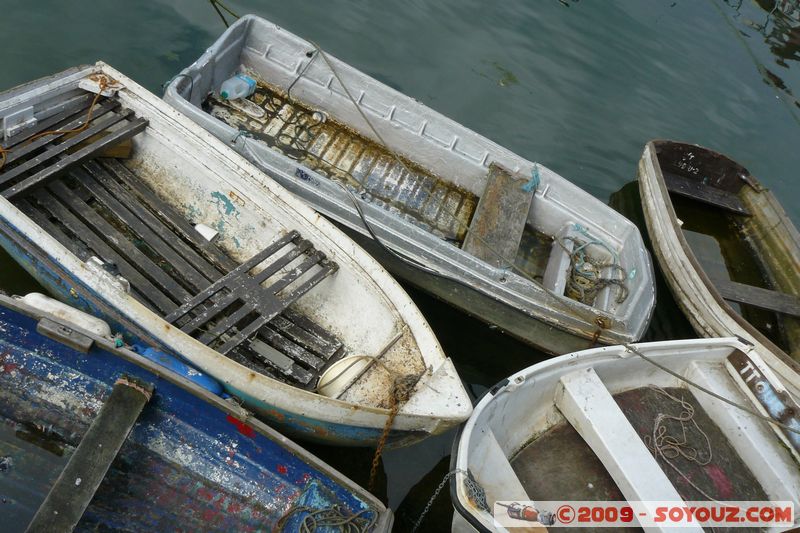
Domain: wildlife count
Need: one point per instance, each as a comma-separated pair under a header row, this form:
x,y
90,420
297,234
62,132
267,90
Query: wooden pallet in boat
x,y
97,207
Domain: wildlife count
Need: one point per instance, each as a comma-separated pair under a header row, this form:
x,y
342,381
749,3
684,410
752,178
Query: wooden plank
x,y
499,221
779,302
167,214
71,109
332,344
58,149
76,485
704,193
120,243
587,404
98,246
151,238
141,211
126,132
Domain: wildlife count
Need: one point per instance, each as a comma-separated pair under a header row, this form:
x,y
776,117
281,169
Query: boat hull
x,y
197,460
528,311
70,289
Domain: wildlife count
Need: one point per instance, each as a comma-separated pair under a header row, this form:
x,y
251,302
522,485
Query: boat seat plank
x,y
587,404
69,110
768,299
78,482
704,193
496,229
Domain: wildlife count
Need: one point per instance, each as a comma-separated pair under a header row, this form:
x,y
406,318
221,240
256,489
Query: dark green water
x,y
579,86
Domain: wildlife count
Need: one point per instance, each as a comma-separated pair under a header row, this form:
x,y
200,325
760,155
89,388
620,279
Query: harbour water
x,y
578,86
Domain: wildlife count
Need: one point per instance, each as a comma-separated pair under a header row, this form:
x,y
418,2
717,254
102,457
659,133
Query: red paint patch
x,y
282,470
721,481
241,427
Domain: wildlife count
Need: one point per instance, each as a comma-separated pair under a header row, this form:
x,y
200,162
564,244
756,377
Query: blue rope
x,y
535,180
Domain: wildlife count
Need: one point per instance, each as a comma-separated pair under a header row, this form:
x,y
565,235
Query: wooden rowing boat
x,y
183,458
502,238
597,426
173,245
729,252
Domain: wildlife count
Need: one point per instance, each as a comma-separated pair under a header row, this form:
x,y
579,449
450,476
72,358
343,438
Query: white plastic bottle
x,y
239,86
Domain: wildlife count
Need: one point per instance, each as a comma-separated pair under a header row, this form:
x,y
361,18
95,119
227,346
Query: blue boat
x,y
187,459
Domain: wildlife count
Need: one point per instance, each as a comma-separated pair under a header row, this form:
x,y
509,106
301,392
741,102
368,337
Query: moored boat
x,y
500,237
729,252
184,459
117,203
635,423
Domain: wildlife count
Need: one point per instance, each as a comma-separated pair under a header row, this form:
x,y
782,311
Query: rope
x,y
216,4
330,517
474,492
686,380
401,392
668,447
102,83
585,280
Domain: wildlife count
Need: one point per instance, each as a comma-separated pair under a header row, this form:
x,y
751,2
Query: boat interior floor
x,y
98,208
362,165
560,465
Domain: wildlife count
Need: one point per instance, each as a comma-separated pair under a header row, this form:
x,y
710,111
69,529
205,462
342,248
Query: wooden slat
x,y
77,121
170,216
127,131
152,221
704,193
499,220
332,344
153,239
119,242
70,109
779,302
88,237
324,347
293,350
76,485
587,404
56,150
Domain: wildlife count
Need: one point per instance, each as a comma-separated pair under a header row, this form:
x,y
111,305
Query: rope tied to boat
x,y
475,493
332,516
402,387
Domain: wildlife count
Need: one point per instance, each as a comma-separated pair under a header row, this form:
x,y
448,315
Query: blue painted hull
x,y
187,465
70,290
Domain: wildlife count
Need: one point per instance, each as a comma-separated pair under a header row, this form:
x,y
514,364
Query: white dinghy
x,y
501,238
631,424
121,205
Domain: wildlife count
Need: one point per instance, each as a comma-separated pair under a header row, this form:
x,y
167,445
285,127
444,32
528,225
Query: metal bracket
x,y
17,121
65,335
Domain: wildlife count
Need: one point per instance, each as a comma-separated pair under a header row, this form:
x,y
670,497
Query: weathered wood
x,y
496,229
76,485
71,109
55,150
757,297
704,193
127,131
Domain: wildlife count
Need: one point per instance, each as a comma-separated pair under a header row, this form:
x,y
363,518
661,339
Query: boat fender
x,y
179,367
67,313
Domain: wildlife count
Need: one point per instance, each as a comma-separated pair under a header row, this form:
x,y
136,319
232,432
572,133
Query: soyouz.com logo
x,y
644,514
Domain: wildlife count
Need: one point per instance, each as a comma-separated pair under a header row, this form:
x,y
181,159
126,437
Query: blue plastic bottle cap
x,y
224,95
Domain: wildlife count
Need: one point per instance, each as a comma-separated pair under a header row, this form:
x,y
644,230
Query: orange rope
x,y
102,84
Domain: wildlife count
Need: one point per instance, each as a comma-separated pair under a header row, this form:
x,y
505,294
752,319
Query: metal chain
x,y
474,490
